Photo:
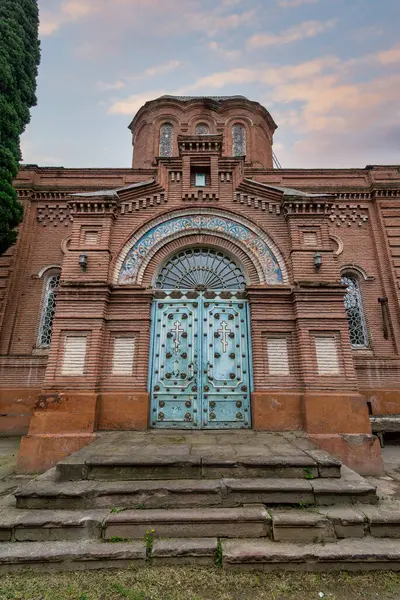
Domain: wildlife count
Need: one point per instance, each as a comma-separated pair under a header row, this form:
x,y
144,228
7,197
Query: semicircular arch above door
x,y
200,269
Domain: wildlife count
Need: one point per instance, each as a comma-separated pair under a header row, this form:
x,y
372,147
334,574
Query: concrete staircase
x,y
264,501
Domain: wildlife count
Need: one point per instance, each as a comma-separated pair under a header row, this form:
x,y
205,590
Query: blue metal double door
x,y
200,367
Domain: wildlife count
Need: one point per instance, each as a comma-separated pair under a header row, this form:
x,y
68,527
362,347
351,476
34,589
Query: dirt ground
x,y
199,583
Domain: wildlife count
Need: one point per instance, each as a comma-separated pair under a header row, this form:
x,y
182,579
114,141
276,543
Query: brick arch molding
x,y
145,243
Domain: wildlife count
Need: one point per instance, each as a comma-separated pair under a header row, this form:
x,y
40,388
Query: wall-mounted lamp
x,y
317,261
83,261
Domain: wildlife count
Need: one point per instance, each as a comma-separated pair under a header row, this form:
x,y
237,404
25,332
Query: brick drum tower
x,y
202,289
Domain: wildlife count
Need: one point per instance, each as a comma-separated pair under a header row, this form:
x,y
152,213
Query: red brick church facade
x,y
316,253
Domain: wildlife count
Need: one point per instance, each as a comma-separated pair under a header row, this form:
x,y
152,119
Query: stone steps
x,y
307,525
47,492
365,554
160,464
260,501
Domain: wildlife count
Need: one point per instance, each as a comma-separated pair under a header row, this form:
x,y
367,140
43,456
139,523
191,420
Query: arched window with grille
x,y
52,282
238,140
166,139
355,312
202,129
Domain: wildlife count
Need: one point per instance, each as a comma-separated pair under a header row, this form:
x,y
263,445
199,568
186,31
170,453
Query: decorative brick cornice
x,y
257,202
354,196
106,205
54,214
301,207
200,196
349,214
197,144
143,203
393,193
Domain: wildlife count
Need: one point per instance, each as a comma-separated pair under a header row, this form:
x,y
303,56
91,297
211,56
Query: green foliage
x,y
116,509
149,541
19,61
118,540
218,554
308,473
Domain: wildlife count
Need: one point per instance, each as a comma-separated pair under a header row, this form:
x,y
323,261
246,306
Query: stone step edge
x,y
249,554
309,491
345,555
308,525
91,468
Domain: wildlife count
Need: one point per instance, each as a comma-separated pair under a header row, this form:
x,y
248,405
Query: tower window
x,y
202,129
238,140
166,139
200,179
200,176
355,312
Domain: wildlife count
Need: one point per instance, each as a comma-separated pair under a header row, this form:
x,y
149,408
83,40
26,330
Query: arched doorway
x,y
200,353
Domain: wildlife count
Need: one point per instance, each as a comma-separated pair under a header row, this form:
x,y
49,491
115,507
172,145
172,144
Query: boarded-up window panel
x,y
327,356
124,350
74,355
310,238
278,359
91,238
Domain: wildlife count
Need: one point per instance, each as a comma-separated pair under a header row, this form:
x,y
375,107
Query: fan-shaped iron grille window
x,y
239,140
202,129
355,312
201,269
49,308
166,139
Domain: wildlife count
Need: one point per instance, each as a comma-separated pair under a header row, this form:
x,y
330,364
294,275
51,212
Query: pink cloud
x,y
304,30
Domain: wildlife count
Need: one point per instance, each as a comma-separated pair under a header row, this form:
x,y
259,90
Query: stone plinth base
x,y
335,412
360,452
124,411
383,402
61,424
16,407
277,411
38,453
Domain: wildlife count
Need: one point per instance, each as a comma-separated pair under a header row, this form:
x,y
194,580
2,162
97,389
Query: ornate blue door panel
x,y
226,378
176,352
200,368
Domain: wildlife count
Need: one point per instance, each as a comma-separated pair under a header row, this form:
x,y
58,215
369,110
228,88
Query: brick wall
x,y
358,231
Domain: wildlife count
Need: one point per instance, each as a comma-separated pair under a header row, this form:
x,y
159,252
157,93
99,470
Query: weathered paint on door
x,y
200,371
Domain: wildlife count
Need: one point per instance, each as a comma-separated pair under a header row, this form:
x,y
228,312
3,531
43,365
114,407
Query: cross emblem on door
x,y
177,330
224,332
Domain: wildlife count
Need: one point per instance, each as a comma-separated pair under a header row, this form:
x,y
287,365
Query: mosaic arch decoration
x,y
256,244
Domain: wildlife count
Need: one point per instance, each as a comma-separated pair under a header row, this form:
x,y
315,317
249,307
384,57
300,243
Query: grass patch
x,y
198,583
149,541
218,554
308,473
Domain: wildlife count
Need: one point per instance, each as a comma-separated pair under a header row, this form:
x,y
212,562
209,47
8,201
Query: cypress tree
x,y
19,61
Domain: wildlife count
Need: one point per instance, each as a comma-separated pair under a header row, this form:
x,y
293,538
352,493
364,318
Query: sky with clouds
x,y
327,70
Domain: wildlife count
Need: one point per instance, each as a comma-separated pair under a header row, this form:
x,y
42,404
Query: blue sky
x,y
327,70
